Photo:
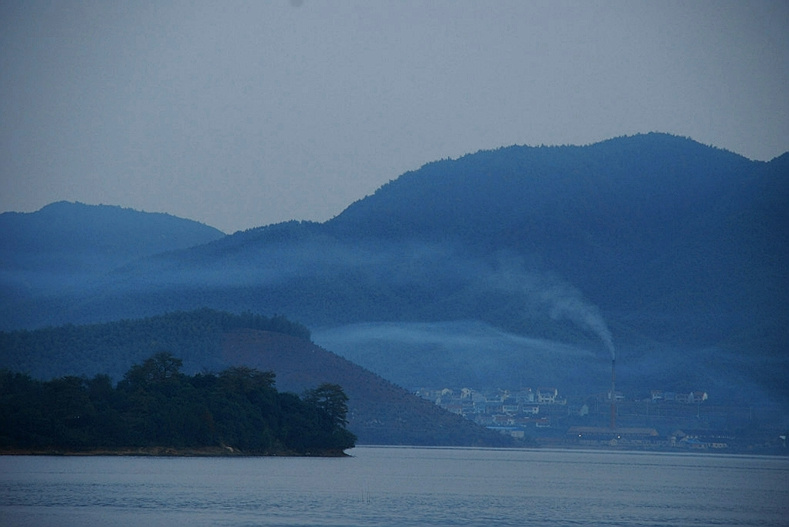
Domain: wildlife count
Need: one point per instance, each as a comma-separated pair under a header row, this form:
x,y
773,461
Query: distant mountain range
x,y
519,266
67,244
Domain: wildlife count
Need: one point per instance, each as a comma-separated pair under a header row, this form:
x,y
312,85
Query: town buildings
x,y
666,419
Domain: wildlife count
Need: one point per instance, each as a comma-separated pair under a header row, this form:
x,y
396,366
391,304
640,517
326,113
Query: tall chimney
x,y
613,394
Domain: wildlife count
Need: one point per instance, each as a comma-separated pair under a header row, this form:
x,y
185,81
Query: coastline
x,y
160,451
226,451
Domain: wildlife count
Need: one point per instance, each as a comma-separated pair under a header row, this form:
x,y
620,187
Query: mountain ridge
x,y
676,246
89,238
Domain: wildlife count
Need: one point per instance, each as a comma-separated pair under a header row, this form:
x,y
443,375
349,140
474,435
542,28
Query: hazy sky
x,y
241,114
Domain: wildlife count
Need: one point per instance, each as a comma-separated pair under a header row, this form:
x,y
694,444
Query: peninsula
x,y
157,410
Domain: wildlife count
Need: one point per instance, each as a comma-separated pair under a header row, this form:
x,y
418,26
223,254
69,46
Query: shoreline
x,y
225,451
158,451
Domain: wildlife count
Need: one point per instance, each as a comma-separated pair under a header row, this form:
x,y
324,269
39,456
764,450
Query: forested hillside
x,y
61,248
207,341
195,337
68,234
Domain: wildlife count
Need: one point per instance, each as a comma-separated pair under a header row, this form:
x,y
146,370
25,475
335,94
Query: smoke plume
x,y
549,292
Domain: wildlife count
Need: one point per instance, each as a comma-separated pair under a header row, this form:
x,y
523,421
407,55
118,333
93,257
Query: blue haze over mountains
x,y
522,266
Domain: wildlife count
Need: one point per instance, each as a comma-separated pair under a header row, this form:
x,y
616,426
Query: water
x,y
399,486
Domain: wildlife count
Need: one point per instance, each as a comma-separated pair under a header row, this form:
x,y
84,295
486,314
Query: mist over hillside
x,y
523,264
70,244
476,354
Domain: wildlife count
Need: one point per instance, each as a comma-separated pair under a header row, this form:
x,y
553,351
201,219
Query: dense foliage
x,y
155,405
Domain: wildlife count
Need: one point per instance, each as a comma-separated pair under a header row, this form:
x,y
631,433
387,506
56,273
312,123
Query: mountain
x,y
95,236
64,240
208,340
522,265
631,222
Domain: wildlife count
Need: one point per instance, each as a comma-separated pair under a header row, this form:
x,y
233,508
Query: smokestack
x,y
613,394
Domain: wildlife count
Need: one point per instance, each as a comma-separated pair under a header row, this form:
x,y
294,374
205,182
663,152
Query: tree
x,y
158,369
70,409
331,405
245,380
330,399
156,405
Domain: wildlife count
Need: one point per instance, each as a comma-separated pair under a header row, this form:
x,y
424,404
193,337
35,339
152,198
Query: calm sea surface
x,y
399,486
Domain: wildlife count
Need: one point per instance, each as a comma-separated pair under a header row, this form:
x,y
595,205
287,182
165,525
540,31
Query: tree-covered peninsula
x,y
157,408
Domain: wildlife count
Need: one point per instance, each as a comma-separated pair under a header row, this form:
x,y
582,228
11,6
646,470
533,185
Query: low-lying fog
x,y
475,354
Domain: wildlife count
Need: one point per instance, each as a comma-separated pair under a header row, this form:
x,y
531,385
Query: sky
x,y
242,114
